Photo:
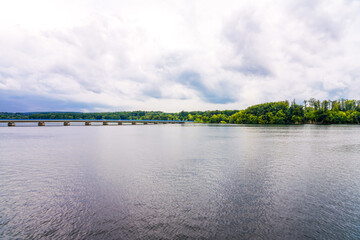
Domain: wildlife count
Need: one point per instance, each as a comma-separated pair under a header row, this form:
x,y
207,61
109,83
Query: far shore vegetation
x,y
312,111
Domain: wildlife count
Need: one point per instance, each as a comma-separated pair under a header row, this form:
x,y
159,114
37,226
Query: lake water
x,y
180,182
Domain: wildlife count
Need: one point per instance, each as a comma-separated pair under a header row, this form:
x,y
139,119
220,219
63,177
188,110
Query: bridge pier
x,y
105,123
119,123
66,123
87,123
41,124
11,124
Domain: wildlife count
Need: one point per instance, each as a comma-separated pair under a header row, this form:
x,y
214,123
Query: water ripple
x,y
174,182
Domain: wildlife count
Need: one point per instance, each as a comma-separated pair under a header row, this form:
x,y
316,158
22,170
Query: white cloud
x,y
183,55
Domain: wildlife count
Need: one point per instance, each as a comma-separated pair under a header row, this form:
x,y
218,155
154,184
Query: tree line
x,y
341,111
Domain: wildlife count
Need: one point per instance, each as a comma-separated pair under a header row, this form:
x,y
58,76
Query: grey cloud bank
x,y
130,55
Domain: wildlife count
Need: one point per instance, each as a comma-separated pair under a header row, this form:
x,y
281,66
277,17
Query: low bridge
x,y
88,122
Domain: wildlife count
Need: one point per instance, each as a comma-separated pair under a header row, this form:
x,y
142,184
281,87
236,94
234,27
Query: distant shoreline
x,y
282,113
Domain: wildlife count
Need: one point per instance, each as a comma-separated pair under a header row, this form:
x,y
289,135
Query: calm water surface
x,y
180,182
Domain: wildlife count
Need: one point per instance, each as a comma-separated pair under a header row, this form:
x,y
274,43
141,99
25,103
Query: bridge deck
x,y
87,120
41,122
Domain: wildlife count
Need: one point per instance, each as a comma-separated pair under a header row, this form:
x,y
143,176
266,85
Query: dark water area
x,y
180,182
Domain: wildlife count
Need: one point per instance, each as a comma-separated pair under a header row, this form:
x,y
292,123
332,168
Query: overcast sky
x,y
175,55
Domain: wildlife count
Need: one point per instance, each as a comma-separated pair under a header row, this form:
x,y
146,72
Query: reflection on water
x,y
178,182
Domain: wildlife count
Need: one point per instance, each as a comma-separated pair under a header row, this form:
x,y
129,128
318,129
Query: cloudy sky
x,y
175,55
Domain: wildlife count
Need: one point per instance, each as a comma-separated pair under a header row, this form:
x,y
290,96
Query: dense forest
x,y
312,111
